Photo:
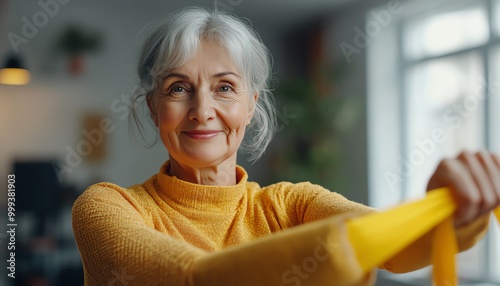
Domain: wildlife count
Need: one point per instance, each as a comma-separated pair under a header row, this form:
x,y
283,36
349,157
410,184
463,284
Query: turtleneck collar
x,y
201,197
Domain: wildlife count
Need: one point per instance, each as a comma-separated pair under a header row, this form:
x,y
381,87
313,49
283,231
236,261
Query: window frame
x,y
405,64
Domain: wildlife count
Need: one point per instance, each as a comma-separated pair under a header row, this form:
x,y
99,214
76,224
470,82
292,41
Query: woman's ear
x,y
251,107
152,109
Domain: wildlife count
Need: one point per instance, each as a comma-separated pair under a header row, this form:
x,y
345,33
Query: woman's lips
x,y
202,134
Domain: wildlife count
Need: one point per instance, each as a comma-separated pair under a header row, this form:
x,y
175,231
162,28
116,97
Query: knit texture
x,y
171,232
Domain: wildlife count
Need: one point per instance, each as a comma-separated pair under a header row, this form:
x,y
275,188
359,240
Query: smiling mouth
x,y
202,134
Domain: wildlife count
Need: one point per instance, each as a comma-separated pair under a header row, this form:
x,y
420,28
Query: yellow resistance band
x,y
435,210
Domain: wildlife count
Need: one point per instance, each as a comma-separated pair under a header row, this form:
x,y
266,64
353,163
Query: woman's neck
x,y
223,174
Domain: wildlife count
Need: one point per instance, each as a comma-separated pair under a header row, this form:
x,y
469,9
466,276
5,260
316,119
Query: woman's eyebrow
x,y
225,73
179,75
183,76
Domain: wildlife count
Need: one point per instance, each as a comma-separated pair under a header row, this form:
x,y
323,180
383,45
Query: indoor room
x,y
370,98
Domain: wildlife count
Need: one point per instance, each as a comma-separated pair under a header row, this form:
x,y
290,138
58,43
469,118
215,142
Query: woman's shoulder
x,y
296,191
304,188
306,202
106,193
106,189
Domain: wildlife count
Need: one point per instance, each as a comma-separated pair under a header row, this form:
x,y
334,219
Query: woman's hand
x,y
474,179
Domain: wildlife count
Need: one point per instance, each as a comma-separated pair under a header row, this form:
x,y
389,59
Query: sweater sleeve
x,y
417,255
308,202
118,248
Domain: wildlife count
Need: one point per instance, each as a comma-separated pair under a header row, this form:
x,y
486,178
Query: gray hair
x,y
175,40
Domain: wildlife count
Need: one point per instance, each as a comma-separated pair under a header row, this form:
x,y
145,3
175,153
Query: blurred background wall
x,y
339,114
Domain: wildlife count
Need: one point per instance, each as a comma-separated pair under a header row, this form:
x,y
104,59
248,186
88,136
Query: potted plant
x,y
75,42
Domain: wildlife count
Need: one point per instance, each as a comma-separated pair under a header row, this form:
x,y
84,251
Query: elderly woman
x,y
200,221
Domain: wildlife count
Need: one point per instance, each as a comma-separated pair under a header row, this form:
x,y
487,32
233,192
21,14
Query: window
x,y
442,97
442,33
494,96
438,93
496,17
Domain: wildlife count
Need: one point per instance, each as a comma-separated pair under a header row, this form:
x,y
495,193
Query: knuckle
x,y
482,154
488,202
446,164
465,214
473,200
496,196
449,167
490,199
496,201
465,155
496,157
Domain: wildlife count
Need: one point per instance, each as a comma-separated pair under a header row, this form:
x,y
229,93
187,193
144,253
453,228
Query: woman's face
x,y
203,108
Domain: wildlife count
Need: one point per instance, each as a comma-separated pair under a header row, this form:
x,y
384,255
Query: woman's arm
x,y
117,247
474,181
417,255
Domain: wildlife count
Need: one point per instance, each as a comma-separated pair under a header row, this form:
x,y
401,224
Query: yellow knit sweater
x,y
170,232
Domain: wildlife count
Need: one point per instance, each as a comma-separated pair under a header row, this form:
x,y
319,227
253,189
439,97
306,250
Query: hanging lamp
x,y
13,72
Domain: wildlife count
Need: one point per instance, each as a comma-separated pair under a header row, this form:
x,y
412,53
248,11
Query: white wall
x,y
41,119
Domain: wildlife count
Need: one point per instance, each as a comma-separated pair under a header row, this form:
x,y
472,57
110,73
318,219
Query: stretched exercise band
x,y
403,225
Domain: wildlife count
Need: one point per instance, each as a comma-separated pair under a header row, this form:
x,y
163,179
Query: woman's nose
x,y
202,109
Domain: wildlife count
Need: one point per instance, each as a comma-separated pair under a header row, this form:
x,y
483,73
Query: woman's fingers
x,y
459,178
487,160
454,174
496,159
475,182
481,177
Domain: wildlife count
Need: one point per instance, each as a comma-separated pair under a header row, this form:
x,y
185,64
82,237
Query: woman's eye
x,y
225,88
177,88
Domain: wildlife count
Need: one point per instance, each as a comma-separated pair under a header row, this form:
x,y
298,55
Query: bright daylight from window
x,y
446,72
446,32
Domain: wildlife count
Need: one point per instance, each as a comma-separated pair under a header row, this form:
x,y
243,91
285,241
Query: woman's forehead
x,y
212,59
